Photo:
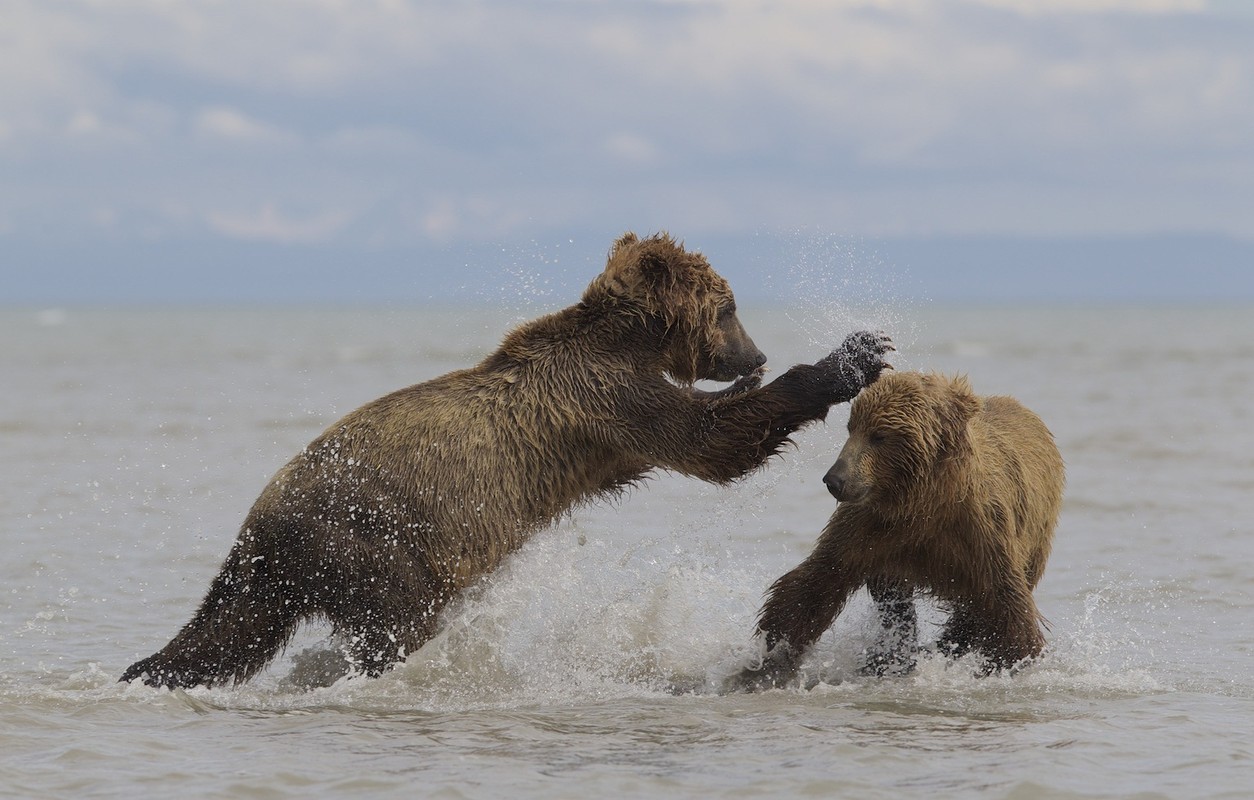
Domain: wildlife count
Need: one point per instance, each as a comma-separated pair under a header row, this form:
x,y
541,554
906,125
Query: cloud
x,y
1092,7
270,225
387,140
445,121
631,148
233,125
447,217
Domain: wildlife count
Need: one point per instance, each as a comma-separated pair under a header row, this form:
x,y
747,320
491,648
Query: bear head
x,y
680,297
900,430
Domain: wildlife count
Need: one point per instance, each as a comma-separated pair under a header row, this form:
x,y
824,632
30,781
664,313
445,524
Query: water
x,y
134,441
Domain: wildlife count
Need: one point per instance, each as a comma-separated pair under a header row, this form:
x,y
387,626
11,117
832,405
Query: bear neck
x,y
953,483
939,494
612,328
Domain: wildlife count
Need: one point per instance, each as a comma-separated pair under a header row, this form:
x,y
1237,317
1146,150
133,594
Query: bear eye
x,y
727,310
878,437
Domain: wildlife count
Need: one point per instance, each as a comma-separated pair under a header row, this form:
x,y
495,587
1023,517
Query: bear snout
x,y
836,480
730,366
755,358
835,484
843,480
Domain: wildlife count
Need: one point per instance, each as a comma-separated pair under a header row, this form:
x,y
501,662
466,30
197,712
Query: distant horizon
x,y
764,269
751,306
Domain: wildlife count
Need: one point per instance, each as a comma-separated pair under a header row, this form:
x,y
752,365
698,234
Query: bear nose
x,y
835,481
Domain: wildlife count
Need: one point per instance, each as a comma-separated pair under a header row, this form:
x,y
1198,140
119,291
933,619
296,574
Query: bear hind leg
x,y
1005,636
1015,631
379,640
239,627
384,625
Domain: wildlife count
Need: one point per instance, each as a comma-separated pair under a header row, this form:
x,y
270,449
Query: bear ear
x,y
654,270
674,277
662,267
960,401
626,240
621,277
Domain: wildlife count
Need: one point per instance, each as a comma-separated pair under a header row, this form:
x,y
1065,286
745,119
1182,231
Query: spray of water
x,y
532,279
834,285
586,612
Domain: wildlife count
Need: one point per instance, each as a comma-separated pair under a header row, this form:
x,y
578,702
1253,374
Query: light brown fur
x,y
942,491
383,519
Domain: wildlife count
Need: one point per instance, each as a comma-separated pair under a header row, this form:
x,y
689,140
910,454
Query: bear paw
x,y
857,363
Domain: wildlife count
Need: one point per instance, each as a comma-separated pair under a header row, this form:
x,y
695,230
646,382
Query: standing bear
x,y
939,490
383,519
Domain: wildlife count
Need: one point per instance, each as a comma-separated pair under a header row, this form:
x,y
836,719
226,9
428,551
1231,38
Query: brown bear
x,y
383,519
939,490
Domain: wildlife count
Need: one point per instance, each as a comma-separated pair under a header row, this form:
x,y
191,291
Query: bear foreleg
x,y
728,434
801,605
893,652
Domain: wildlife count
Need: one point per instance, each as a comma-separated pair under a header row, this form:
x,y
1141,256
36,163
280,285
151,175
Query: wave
x,y
572,621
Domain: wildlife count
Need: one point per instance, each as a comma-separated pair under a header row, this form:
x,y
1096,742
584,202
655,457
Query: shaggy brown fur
x,y
389,514
939,490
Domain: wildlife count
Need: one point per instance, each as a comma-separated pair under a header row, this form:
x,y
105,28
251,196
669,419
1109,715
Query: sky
x,y
384,151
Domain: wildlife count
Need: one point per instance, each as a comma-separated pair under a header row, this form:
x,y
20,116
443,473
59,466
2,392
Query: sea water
x,y
134,442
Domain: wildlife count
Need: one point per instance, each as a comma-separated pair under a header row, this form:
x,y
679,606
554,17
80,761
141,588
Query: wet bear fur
x,y
383,519
940,491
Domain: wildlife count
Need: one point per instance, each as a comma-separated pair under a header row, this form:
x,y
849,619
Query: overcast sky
x,y
328,149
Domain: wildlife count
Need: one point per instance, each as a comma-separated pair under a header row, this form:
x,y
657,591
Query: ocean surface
x,y
134,441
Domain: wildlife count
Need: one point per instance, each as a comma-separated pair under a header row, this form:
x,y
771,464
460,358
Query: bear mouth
x,y
722,374
726,370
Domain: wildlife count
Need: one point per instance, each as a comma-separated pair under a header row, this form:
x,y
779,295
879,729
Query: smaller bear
x,y
939,490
